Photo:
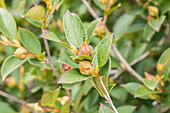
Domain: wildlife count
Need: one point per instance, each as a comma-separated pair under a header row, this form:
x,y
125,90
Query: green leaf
x,y
136,27
148,32
9,65
30,41
91,29
6,108
7,24
105,109
49,97
65,107
68,62
103,50
37,12
138,51
131,87
81,58
34,21
105,69
119,93
143,91
156,24
150,84
74,29
51,36
165,58
72,76
164,6
126,108
122,24
2,4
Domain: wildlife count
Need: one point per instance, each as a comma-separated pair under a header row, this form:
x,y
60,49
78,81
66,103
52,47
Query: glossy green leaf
x,y
51,36
126,108
74,29
7,24
105,109
138,51
164,6
156,24
103,50
91,29
30,41
131,87
9,65
49,97
72,76
37,12
150,84
34,21
68,62
165,58
143,91
148,32
122,24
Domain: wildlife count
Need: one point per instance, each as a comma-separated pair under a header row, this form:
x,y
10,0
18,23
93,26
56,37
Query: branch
x,y
21,101
108,96
90,9
128,68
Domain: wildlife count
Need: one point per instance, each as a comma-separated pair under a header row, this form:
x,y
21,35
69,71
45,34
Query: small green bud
x,y
86,67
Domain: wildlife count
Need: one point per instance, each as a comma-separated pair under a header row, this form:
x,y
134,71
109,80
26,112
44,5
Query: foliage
x,y
57,56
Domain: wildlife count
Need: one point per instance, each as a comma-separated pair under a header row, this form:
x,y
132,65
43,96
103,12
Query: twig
x,y
128,67
108,96
47,47
21,101
90,9
165,109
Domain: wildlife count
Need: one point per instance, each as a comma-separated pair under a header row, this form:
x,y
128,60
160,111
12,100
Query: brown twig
x,y
21,101
90,9
47,46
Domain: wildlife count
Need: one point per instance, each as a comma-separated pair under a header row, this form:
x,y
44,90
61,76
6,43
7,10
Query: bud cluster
x,y
20,53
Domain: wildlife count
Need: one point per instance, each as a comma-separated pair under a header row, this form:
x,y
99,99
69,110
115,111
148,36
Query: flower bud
x,y
104,2
153,11
11,82
65,67
86,68
101,30
20,53
85,49
4,39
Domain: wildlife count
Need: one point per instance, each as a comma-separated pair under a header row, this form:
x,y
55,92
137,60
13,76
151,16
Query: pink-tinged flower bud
x,y
86,67
85,49
20,53
11,82
153,11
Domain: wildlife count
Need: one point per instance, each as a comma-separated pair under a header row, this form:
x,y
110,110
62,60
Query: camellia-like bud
x,y
101,30
11,82
104,2
20,53
86,67
85,49
153,11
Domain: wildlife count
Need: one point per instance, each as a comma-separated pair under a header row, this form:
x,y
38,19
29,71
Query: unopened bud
x,y
11,82
74,50
20,53
85,49
104,2
153,11
65,67
101,29
86,68
4,38
160,66
16,42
